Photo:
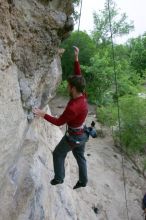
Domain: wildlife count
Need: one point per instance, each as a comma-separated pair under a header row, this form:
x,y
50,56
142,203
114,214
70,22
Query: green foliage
x,y
133,123
107,115
96,59
99,76
62,89
126,78
137,50
132,119
87,50
120,25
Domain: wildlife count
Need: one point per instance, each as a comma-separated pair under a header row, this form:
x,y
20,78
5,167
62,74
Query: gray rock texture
x,y
31,32
30,70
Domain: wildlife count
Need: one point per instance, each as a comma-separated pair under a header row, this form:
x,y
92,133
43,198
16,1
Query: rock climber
x,y
75,137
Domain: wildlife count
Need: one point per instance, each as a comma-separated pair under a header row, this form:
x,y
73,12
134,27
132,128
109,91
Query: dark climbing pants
x,y
59,155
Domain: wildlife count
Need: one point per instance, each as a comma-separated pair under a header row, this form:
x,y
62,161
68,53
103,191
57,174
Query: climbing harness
x,y
118,107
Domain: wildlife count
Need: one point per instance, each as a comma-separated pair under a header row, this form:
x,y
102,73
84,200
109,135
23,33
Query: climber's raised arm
x,y
77,70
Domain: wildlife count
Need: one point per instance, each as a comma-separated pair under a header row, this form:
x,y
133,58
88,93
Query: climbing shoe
x,y
79,184
55,182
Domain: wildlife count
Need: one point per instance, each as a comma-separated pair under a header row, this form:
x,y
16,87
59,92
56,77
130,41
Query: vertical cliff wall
x,y
30,34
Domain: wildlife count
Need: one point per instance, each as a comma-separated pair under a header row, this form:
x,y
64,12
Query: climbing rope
x,y
118,107
80,14
116,85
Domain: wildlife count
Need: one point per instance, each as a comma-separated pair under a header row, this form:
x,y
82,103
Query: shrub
x,y
133,123
107,115
62,88
132,110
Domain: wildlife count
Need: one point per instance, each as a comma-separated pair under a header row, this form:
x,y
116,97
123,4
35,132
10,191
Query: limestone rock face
x,y
31,32
30,70
25,191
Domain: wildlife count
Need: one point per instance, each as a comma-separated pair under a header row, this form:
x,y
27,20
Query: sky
x,y
135,10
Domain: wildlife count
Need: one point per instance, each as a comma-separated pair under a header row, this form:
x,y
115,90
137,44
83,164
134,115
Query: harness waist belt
x,y
80,127
75,131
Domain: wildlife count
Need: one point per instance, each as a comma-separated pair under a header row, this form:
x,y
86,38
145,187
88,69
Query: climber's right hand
x,y
38,112
76,52
76,49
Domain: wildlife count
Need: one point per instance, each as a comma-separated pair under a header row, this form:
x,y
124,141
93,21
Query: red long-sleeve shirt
x,y
76,110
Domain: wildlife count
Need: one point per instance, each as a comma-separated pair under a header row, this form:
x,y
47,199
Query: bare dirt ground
x,y
104,197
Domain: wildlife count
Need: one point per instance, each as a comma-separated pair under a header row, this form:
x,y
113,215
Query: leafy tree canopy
x,y
137,51
87,50
120,25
